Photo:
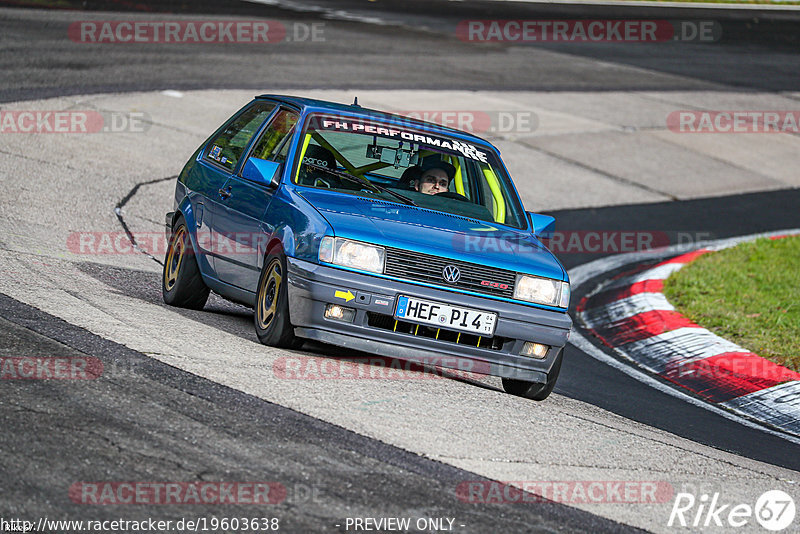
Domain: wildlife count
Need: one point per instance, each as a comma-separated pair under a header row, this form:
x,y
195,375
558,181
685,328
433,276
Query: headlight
x,y
542,291
354,254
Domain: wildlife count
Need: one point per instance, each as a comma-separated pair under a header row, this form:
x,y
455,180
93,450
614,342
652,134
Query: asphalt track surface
x,y
196,429
179,427
755,52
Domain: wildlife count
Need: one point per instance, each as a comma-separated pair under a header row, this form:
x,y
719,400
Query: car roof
x,y
311,104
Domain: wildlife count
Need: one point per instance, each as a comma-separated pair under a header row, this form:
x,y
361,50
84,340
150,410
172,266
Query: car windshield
x,y
393,161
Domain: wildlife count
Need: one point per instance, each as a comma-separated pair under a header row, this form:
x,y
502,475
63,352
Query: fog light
x,y
535,350
339,313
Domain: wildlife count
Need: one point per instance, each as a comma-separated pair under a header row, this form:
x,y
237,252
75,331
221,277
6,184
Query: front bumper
x,y
312,287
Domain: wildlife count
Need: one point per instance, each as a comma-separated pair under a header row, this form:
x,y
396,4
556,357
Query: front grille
x,y
425,268
387,322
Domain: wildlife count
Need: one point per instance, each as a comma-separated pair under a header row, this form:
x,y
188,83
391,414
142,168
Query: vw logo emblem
x,y
451,274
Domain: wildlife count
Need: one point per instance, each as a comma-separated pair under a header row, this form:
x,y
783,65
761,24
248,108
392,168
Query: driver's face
x,y
432,181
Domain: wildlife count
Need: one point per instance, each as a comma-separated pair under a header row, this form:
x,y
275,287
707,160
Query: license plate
x,y
445,316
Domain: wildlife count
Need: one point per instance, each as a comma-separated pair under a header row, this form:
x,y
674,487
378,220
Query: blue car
x,y
374,232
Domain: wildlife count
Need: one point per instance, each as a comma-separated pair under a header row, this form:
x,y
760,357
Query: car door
x,y
217,164
238,222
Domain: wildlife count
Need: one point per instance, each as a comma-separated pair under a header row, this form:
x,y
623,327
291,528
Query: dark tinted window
x,y
274,144
227,147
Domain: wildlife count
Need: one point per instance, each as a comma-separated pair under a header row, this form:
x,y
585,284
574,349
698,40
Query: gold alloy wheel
x,y
268,294
174,258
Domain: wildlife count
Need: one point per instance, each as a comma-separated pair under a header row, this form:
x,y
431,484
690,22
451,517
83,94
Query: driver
x,y
435,178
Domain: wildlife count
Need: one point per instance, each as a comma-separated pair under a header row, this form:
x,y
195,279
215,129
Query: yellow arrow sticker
x,y
346,295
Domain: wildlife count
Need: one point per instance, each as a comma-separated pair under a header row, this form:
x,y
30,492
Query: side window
x,y
497,196
461,181
227,147
486,194
283,150
274,142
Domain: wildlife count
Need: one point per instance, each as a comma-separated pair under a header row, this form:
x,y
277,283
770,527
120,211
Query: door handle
x,y
225,193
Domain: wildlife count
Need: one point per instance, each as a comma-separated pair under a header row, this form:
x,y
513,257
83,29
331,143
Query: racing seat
x,y
322,157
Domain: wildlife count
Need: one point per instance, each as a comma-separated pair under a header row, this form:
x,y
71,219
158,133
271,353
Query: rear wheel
x,y
181,282
533,390
273,327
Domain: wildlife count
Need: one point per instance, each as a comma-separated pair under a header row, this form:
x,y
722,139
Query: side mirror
x,y
263,171
543,225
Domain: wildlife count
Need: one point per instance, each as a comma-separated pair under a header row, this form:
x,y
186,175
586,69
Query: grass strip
x,y
748,294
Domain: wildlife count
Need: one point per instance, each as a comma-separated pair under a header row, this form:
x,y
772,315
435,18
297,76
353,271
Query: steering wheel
x,y
451,194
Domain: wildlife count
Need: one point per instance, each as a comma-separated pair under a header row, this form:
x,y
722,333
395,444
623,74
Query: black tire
x,y
181,282
533,390
271,317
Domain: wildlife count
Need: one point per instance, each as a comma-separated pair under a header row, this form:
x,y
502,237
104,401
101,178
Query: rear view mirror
x,y
263,171
397,157
543,225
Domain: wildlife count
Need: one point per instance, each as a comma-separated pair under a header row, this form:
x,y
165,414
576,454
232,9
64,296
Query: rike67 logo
x,y
774,510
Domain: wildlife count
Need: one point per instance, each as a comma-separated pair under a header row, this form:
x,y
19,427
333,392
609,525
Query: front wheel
x,y
533,390
273,327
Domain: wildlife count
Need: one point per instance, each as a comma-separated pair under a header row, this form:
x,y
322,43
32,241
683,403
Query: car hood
x,y
435,233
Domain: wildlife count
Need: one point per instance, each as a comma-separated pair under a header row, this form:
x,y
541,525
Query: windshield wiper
x,y
363,181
